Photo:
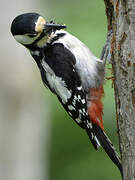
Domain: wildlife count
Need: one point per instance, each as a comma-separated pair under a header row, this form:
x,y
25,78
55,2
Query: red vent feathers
x,y
95,108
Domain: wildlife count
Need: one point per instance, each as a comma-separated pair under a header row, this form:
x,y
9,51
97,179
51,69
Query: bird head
x,y
31,27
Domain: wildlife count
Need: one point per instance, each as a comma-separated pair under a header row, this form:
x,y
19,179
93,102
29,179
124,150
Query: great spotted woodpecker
x,y
70,71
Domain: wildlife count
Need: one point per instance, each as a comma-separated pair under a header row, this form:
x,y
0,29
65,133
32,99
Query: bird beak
x,y
53,26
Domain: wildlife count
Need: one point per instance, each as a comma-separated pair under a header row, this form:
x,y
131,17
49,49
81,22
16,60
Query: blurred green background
x,y
71,154
38,140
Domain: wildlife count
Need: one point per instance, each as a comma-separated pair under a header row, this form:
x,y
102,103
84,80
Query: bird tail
x,y
98,137
95,142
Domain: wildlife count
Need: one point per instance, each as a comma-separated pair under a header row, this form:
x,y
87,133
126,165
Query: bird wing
x,y
90,69
65,82
91,73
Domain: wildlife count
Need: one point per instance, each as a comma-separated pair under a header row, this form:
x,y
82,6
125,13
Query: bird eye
x,y
32,35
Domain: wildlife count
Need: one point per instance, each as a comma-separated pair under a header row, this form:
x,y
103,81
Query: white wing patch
x,y
59,86
56,83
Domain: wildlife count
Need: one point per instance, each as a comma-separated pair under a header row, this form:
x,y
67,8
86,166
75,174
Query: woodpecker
x,y
70,70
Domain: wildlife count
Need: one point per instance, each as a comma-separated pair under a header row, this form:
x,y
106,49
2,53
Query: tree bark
x,y
121,20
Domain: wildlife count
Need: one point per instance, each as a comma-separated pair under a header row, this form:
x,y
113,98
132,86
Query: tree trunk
x,y
121,20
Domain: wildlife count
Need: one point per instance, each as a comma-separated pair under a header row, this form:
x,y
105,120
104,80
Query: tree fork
x,y
121,21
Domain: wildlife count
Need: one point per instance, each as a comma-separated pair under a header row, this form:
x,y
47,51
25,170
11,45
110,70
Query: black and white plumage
x,y
70,71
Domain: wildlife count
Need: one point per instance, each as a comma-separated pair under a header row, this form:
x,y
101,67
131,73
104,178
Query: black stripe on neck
x,y
57,37
34,46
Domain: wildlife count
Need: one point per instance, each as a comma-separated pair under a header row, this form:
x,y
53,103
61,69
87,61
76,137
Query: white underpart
x,y
85,61
56,83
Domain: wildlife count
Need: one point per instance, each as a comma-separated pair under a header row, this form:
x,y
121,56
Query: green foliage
x,y
71,154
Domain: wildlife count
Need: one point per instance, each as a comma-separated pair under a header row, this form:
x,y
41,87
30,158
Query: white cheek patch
x,y
24,39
